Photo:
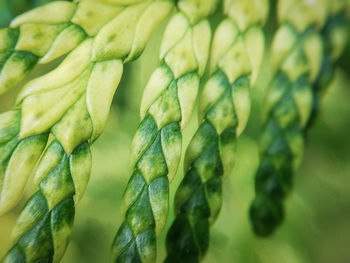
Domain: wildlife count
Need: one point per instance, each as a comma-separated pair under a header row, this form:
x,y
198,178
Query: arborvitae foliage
x,y
58,115
71,103
166,106
224,107
303,54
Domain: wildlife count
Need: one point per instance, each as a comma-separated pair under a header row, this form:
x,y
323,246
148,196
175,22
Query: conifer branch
x,y
45,224
301,66
166,106
224,107
72,103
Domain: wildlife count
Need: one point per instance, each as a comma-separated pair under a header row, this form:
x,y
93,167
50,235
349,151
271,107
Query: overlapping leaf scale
x,y
45,224
17,158
72,104
224,107
301,60
166,106
73,100
50,31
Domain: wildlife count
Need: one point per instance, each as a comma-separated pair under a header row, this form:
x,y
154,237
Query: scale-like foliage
x,y
73,100
17,158
166,106
71,103
57,116
50,31
44,226
224,107
335,34
302,60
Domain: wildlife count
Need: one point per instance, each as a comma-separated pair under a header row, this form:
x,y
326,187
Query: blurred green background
x,y
317,225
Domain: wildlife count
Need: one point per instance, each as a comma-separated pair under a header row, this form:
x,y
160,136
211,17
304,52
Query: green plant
x,y
166,106
60,114
224,106
303,56
84,84
31,38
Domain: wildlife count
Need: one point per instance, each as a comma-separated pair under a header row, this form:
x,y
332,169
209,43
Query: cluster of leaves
x,y
58,116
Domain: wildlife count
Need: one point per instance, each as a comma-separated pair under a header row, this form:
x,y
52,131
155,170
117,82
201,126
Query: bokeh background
x,y
317,225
